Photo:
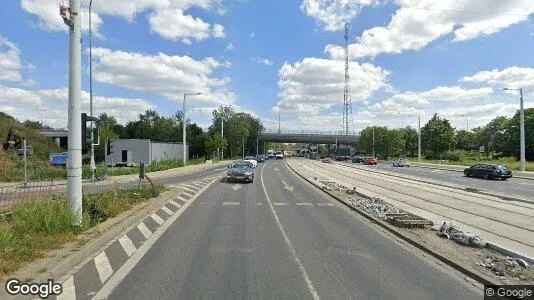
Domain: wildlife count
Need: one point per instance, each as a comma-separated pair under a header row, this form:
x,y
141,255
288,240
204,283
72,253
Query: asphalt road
x,y
512,187
278,238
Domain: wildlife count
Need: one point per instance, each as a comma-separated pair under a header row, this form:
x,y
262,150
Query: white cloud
x,y
15,101
514,77
10,62
265,61
167,18
230,46
169,76
415,25
174,25
332,14
314,84
218,31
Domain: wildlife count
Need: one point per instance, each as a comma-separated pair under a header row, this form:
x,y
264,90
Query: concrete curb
x,y
384,225
455,170
504,197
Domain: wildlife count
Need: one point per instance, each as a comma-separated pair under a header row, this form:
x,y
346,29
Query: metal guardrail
x,y
311,132
17,193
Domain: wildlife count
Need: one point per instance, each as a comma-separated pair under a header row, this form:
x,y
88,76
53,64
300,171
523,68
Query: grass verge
x,y
44,224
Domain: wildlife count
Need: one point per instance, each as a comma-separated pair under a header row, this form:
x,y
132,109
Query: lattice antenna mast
x,y
347,101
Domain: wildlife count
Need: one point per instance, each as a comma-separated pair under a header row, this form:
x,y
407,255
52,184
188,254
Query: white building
x,y
135,151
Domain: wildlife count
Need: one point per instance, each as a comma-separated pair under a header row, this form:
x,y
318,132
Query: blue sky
x,y
407,59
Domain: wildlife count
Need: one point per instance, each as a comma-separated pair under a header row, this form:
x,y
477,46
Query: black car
x,y
358,159
261,158
488,171
240,171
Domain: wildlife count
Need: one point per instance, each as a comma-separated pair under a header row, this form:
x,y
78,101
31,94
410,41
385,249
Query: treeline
x,y
238,128
499,138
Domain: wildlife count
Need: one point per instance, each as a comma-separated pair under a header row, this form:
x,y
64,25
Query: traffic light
x,y
86,132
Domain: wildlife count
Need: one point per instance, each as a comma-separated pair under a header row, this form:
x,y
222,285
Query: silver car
x,y
401,162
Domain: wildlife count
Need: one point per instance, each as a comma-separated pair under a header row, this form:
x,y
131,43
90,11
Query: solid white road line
x,y
166,210
300,265
103,267
123,271
304,204
157,218
230,203
69,291
144,230
127,245
175,204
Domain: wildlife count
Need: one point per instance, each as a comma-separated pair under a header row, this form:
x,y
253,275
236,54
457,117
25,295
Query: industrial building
x,y
135,151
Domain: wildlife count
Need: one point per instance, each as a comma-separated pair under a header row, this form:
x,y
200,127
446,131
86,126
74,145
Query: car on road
x,y
488,171
357,159
252,160
370,161
401,162
279,155
261,158
240,171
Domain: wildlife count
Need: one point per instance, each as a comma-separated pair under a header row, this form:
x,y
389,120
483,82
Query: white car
x,y
401,162
279,155
252,160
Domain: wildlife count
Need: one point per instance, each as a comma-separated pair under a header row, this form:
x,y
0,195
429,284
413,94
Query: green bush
x,y
6,237
50,217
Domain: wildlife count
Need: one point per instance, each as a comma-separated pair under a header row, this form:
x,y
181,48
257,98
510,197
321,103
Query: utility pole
x,y
222,134
419,141
278,120
243,146
257,147
25,163
521,128
373,141
92,165
74,163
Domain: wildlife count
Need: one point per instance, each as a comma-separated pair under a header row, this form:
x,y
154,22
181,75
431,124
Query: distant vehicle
x,y
252,160
271,154
357,159
327,160
261,158
240,171
401,162
279,155
370,161
488,171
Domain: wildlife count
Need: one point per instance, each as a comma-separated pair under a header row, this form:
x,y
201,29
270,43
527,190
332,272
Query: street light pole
x,y
419,140
74,164
92,165
373,141
278,120
184,125
521,128
222,134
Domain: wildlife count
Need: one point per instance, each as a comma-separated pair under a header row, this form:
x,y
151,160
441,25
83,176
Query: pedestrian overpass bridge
x,y
309,136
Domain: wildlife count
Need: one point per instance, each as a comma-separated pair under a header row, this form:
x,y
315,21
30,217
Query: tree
x,y
386,143
465,140
214,142
512,135
493,135
33,124
411,140
437,136
107,121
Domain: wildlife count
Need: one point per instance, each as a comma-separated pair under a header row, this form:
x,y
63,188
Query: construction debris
x,y
504,266
522,263
450,231
408,220
376,207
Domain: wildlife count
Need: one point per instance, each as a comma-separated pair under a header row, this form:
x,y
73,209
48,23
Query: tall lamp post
x,y
92,165
184,125
418,136
521,127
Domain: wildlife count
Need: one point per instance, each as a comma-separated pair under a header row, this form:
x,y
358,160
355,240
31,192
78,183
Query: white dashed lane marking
x,y
230,203
144,230
166,210
103,267
157,218
127,245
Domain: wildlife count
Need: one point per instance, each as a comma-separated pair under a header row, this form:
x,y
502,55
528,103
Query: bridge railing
x,y
311,132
